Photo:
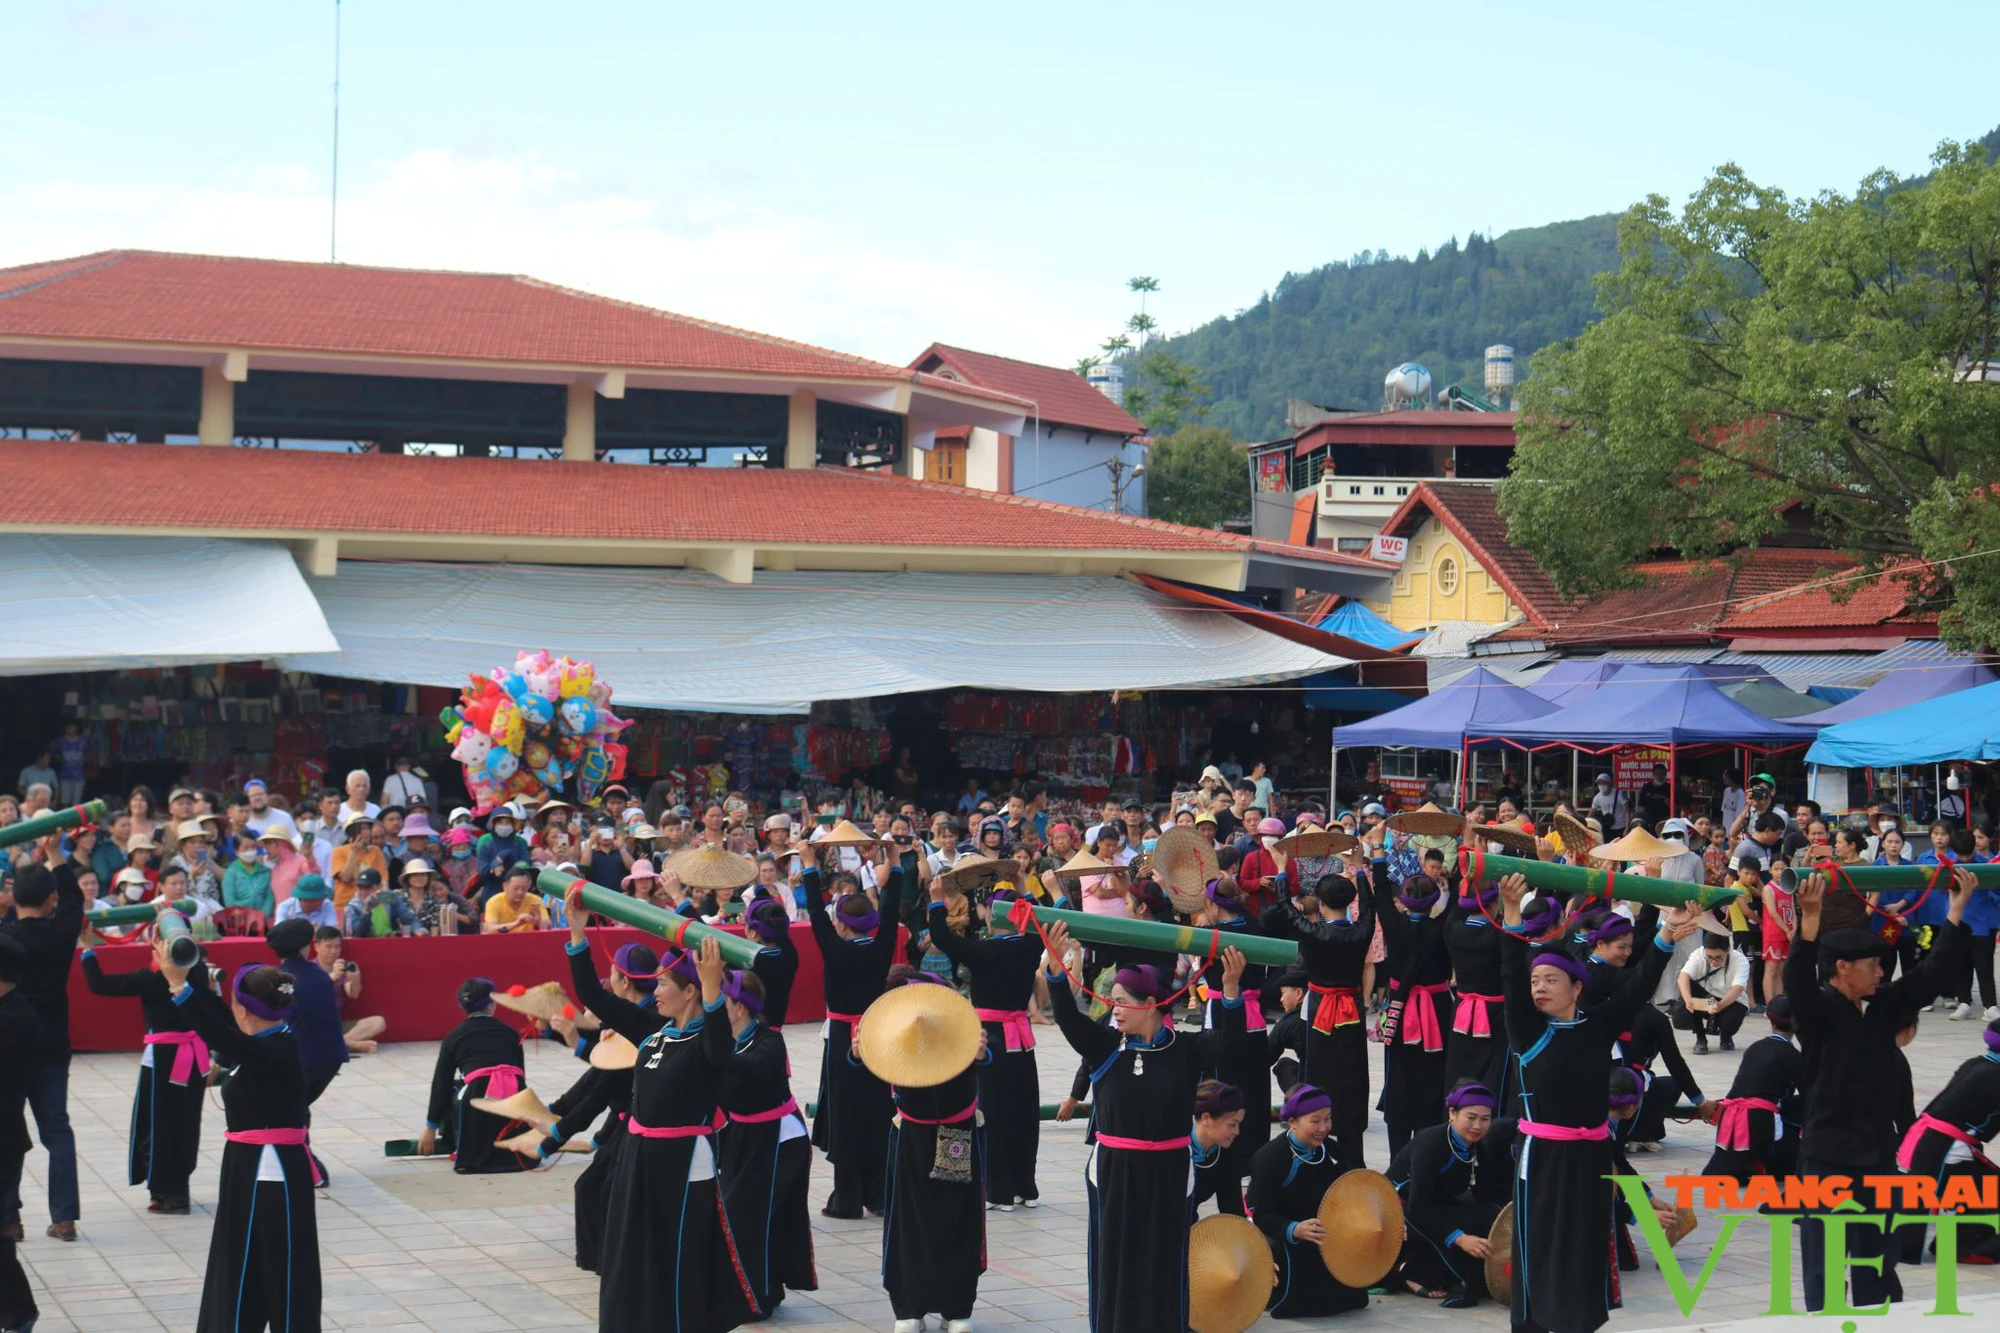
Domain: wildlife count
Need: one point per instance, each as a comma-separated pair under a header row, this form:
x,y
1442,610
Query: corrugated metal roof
x,y
1801,671
1700,653
1520,669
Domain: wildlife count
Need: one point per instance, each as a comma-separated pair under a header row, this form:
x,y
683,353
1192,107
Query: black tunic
x,y
1413,1063
763,1173
669,1259
597,1091
1335,955
1217,1177
20,1032
1138,1222
480,1042
1287,1182
1564,1279
1970,1102
851,1122
1451,1188
934,1231
777,966
1246,1066
1001,972
166,1112
1474,945
1769,1071
263,1256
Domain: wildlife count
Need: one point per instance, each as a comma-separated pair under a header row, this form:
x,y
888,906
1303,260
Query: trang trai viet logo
x,y
1841,1203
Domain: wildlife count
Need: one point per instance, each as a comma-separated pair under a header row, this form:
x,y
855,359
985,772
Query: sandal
x,y
1419,1289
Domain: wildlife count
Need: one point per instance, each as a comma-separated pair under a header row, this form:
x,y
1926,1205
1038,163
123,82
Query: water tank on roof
x,y
1500,372
1408,385
1108,378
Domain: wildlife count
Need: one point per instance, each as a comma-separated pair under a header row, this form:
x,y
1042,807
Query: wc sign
x,y
1389,550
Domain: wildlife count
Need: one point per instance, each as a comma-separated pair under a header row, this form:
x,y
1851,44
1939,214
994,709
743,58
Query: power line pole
x,y
333,218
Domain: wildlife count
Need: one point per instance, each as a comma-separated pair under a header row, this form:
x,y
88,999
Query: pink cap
x,y
641,869
1272,828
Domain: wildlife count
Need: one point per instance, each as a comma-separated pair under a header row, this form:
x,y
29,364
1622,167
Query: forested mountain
x,y
1330,335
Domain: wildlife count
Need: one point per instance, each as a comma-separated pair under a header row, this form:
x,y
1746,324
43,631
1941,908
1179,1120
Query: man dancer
x,y
48,916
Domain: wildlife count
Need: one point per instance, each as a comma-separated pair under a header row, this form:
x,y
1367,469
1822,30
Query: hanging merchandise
x,y
525,733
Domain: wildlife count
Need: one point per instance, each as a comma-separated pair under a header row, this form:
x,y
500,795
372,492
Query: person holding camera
x,y
1713,983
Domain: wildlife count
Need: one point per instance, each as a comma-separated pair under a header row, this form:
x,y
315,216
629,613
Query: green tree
x,y
1757,351
1165,392
1198,476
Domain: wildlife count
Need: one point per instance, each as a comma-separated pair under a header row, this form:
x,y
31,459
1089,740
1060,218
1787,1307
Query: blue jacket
x,y
315,1016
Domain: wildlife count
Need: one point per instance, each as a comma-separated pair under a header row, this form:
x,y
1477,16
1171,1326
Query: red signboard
x,y
1409,792
1274,471
1632,768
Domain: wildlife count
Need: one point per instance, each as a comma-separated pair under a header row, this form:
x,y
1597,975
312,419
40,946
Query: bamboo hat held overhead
x,y
1362,1216
1577,836
1184,861
844,834
540,1003
1083,863
920,1035
1428,819
1638,845
1516,840
710,867
1317,842
1229,1274
976,874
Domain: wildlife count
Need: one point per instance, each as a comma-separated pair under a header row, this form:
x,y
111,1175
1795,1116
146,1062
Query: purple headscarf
x,y
1562,963
680,965
863,922
626,960
1418,894
1143,982
767,921
1485,897
732,987
1992,1036
1304,1099
1471,1094
1615,928
252,1003
1224,1099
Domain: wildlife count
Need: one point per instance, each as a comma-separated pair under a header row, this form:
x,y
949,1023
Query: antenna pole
x,y
333,218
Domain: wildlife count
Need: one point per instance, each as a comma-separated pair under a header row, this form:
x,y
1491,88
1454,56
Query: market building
x,y
432,471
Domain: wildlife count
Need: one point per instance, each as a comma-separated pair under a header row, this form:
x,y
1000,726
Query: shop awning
x,y
685,640
1477,703
72,603
1639,706
1964,725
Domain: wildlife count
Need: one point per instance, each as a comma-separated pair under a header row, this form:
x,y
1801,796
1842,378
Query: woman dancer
x,y
481,1057
1288,1178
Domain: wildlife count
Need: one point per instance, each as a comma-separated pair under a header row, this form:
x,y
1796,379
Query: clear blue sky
x,y
871,176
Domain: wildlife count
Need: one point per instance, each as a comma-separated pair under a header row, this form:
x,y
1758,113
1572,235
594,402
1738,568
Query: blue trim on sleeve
x,y
1452,1239
181,995
712,1008
432,1125
577,950
88,953
1663,944
1290,1227
1228,1003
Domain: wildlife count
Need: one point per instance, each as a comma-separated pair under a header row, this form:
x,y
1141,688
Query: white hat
x,y
416,865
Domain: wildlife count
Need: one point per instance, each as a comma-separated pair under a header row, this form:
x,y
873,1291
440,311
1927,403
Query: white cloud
x,y
835,279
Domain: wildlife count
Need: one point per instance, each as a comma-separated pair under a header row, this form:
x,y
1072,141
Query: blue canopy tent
x,y
1572,679
1900,689
1476,702
1674,710
1355,621
1964,725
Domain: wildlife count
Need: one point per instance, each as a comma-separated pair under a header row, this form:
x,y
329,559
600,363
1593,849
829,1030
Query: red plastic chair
x,y
240,922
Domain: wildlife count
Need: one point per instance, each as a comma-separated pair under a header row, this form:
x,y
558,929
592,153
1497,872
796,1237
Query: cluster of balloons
x,y
522,733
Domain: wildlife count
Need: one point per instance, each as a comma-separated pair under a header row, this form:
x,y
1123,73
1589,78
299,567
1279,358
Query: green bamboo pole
x,y
1586,882
134,914
1877,879
1157,937
55,821
677,930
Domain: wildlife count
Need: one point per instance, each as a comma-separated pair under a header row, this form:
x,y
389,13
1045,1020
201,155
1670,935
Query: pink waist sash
x,y
850,1019
1536,1129
668,1131
1020,1033
1733,1130
1928,1122
502,1081
1143,1145
275,1138
1470,1018
791,1107
190,1054
1253,1011
953,1119
1420,1025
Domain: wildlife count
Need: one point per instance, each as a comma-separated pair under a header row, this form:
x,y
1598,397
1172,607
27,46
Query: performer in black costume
x,y
1475,1051
1651,1035
1143,1078
1246,1065
1285,1040
1564,1280
1001,972
857,946
1218,1123
1454,1178
777,966
19,1032
481,1057
263,1257
1334,950
1413,1030
173,1084
670,1260
1950,1137
763,1152
635,973
1288,1178
1847,1026
934,1228
1757,1127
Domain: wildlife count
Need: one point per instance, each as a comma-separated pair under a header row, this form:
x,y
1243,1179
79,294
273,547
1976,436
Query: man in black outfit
x,y
314,1015
20,1033
1656,799
1847,1025
48,917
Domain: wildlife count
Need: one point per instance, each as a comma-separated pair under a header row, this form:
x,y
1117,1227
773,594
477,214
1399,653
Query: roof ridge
x,y
1222,539
876,368
79,265
308,263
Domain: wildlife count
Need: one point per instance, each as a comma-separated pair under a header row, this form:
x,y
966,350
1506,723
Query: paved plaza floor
x,y
409,1245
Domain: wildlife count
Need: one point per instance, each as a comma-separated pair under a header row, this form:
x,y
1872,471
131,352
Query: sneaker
x,y
1728,1043
65,1231
1701,1047
1992,1013
1004,1207
1029,1203
1963,1011
958,1326
909,1326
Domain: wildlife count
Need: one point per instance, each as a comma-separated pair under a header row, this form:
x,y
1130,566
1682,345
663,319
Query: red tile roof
x,y
1063,396
212,301
208,488
1452,429
1815,605
1468,511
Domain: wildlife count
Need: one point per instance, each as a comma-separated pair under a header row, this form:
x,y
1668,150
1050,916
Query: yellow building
x,y
1457,563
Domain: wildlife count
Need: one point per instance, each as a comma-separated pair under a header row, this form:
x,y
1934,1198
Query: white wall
x,y
1064,465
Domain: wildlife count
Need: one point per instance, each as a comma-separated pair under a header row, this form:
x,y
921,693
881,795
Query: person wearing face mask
x,y
501,848
247,882
1259,864
285,863
461,862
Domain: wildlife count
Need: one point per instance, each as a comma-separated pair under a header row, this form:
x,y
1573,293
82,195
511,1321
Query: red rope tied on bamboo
x,y
1022,915
1472,867
1837,875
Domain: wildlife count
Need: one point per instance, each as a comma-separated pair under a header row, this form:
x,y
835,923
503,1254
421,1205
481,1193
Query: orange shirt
x,y
348,862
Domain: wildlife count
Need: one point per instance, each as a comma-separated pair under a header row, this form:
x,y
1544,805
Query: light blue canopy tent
x,y
1963,725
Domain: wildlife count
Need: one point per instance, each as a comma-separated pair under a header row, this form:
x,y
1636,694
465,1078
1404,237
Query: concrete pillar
x,y
802,430
218,407
580,428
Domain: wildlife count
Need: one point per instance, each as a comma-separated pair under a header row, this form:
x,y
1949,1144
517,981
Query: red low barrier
x,y
411,982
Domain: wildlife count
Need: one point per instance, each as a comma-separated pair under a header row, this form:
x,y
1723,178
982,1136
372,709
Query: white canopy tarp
x,y
685,640
78,603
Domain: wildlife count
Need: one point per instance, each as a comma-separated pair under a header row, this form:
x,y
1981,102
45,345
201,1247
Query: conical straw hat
x,y
1576,835
1317,842
1638,845
1363,1219
1229,1274
972,874
523,1105
710,868
919,1035
528,1143
1428,818
1684,1223
1184,861
540,1003
613,1052
1500,1259
1517,841
1083,863
844,834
